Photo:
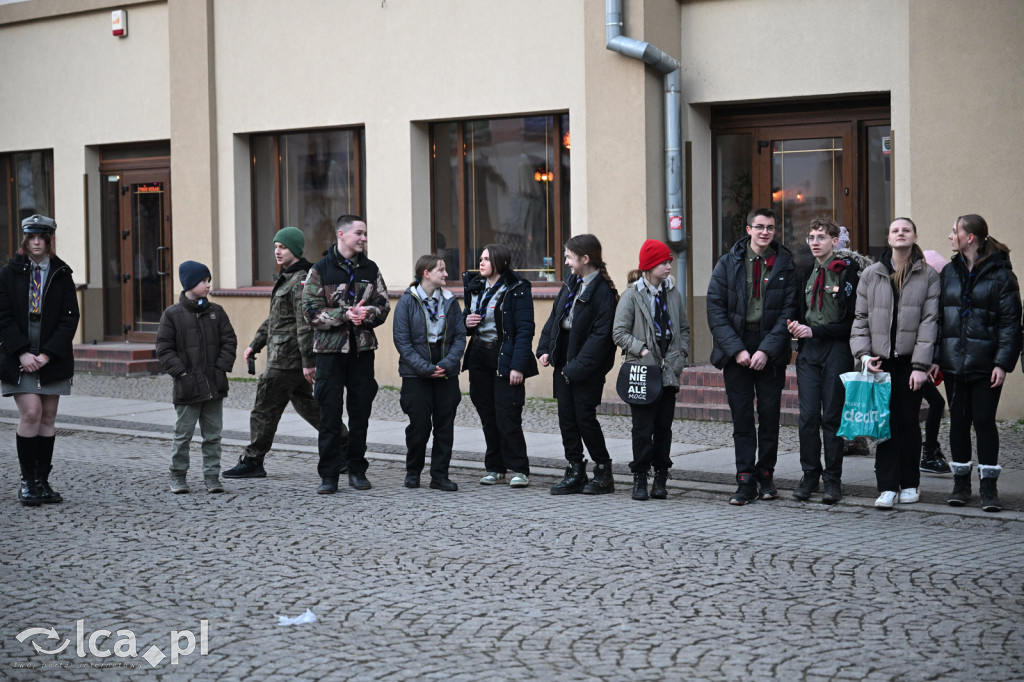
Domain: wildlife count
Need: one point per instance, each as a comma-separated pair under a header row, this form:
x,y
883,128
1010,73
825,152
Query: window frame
x,y
7,166
358,185
562,223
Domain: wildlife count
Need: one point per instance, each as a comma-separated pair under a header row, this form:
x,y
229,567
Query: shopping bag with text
x,y
866,411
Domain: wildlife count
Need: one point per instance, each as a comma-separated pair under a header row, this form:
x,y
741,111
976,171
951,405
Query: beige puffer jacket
x,y
917,320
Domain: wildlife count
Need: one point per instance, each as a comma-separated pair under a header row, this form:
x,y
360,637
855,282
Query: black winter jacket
x,y
410,336
727,305
980,317
849,264
589,351
59,320
196,347
514,320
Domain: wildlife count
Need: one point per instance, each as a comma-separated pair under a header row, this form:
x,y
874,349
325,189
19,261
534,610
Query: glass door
x,y
141,283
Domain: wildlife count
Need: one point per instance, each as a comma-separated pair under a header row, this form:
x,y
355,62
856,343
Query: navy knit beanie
x,y
192,273
293,238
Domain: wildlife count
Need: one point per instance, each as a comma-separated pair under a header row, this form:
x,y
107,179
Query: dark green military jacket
x,y
286,334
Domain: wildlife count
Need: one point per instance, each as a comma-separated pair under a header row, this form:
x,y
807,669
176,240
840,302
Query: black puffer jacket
x,y
727,305
589,351
514,321
57,326
980,313
196,347
411,336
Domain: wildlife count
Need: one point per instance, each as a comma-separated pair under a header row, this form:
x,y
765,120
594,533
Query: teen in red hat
x,y
651,328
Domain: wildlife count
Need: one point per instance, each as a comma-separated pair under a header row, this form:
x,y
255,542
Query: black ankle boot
x,y
44,465
574,480
640,485
602,482
28,494
658,489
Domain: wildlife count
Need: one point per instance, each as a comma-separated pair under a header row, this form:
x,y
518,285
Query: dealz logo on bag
x,y
98,644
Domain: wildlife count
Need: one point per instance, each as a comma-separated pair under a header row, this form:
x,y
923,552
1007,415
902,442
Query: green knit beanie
x,y
293,238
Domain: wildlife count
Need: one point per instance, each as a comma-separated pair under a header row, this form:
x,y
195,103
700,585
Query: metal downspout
x,y
669,66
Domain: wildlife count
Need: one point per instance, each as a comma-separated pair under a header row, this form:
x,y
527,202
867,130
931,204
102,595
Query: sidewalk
x,y
695,466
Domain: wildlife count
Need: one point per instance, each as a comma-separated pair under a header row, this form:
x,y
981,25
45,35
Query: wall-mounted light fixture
x,y
543,175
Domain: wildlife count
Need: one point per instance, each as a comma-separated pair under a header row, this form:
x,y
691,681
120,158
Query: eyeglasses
x,y
818,238
762,228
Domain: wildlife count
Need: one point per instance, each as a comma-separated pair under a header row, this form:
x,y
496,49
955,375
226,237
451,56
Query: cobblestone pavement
x,y
490,582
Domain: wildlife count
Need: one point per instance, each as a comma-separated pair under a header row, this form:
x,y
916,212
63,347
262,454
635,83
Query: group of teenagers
x,y
897,315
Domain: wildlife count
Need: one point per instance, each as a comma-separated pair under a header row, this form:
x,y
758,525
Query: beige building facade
x,y
453,123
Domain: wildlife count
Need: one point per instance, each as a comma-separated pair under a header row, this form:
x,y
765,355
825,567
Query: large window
x,y
27,189
306,180
502,180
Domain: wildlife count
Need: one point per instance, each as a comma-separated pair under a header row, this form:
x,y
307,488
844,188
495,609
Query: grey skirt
x,y
29,383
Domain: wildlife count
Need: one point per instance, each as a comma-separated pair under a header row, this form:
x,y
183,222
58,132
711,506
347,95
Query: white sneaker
x,y
492,477
886,500
519,481
909,496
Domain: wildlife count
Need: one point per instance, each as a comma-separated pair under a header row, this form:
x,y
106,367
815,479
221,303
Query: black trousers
x,y
935,407
336,374
756,451
577,417
973,403
500,406
652,432
430,404
818,367
897,460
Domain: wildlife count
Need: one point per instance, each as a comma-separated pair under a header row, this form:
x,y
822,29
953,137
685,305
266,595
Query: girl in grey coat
x,y
651,328
894,330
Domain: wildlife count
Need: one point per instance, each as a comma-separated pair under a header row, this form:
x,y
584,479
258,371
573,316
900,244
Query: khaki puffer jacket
x,y
917,320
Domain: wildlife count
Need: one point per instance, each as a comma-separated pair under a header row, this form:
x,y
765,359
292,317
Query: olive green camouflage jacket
x,y
286,334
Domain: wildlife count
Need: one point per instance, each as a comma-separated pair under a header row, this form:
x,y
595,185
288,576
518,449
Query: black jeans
x,y
897,460
430,404
742,385
500,406
337,373
935,407
973,403
577,417
652,432
821,393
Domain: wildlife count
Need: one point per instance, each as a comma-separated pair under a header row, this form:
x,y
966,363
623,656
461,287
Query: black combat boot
x,y
247,467
640,486
658,489
574,481
602,482
28,494
44,465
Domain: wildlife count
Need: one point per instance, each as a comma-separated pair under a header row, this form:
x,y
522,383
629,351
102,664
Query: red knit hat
x,y
653,253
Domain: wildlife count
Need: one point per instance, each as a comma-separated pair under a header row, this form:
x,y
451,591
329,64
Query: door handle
x,y
158,260
125,277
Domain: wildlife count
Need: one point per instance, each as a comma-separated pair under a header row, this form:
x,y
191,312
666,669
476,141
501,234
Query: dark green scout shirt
x,y
755,306
829,311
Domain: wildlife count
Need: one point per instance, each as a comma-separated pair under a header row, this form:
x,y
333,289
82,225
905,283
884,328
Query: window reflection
x,y
306,180
506,181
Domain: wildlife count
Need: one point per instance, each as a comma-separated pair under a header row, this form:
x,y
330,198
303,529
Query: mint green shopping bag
x,y
866,411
